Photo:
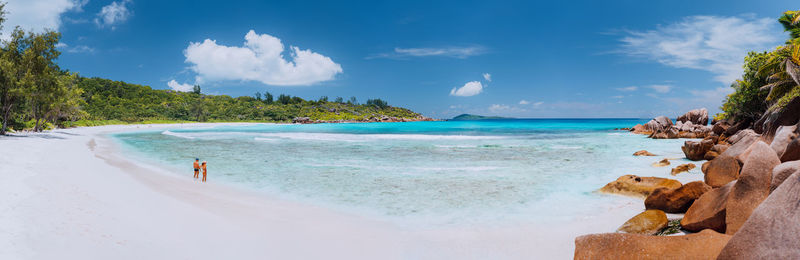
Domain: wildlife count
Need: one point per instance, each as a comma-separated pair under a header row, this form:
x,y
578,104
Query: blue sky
x,y
508,58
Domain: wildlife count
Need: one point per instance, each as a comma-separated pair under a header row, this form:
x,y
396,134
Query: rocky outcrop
x,y
703,245
658,124
792,151
635,186
752,187
772,230
721,171
648,222
720,127
669,133
676,200
682,168
639,129
696,150
643,153
695,116
774,118
662,163
783,136
781,172
708,211
742,135
741,142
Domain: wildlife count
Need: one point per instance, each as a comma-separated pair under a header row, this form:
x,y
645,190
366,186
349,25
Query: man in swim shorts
x,y
196,167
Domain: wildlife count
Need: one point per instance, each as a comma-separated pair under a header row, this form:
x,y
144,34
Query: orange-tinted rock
x,y
695,150
676,200
704,245
721,171
773,229
643,153
752,186
648,222
662,163
683,168
632,185
708,211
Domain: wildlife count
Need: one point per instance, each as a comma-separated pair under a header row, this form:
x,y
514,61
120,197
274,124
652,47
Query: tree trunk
x,y
6,114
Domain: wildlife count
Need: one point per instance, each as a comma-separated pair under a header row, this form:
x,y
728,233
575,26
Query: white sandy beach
x,y
69,194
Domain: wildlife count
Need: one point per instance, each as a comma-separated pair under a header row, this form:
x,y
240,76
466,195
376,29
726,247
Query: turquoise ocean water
x,y
449,172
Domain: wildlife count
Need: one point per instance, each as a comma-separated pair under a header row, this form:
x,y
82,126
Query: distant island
x,y
470,117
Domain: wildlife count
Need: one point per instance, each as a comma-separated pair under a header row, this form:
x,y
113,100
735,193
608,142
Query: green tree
x,y
267,98
196,89
41,73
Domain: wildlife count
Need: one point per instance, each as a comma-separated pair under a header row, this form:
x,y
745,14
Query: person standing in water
x,y
196,167
204,171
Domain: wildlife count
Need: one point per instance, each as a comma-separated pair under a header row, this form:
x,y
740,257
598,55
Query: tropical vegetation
x,y
770,79
36,94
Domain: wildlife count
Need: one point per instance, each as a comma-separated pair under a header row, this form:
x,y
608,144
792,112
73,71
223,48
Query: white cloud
x,y
451,52
487,77
631,88
538,103
494,108
711,43
715,96
470,89
260,59
524,102
37,15
76,49
179,87
661,88
112,14
617,97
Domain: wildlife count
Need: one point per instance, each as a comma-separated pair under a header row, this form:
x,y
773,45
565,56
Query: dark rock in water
x,y
708,211
783,136
302,120
676,200
632,185
695,116
774,118
721,171
648,222
682,168
752,187
695,151
781,172
772,230
703,245
662,163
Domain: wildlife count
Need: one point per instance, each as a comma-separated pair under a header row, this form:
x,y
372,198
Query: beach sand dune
x,y
69,194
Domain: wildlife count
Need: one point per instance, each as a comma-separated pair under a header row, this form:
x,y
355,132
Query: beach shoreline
x,y
73,193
